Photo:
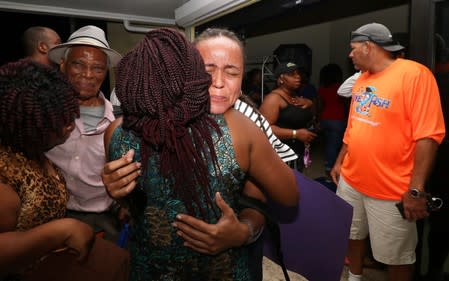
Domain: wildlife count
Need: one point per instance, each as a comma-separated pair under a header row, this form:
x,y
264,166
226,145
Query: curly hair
x,y
163,89
36,102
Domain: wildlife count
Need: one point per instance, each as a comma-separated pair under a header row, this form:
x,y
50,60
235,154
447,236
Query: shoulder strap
x,y
272,225
276,93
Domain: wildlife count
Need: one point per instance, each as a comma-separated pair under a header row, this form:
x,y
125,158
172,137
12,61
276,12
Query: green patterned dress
x,y
157,253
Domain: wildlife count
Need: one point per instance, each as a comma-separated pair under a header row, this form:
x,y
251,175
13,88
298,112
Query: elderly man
x,y
394,129
85,60
37,41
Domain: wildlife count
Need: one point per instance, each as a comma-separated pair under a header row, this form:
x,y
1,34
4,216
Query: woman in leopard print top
x,y
37,111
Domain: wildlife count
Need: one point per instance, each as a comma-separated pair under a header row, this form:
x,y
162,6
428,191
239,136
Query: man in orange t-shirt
x,y
394,129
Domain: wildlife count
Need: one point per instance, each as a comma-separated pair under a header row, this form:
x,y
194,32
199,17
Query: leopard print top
x,y
43,197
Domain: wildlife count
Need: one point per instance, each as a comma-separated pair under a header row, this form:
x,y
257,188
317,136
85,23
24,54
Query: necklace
x,y
290,99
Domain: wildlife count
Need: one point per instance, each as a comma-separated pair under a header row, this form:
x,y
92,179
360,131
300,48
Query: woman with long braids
x,y
223,55
189,157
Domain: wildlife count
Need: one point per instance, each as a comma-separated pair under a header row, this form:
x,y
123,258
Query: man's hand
x,y
425,151
335,172
119,176
212,239
414,208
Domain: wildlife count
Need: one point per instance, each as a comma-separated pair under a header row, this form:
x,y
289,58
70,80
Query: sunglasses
x,y
433,203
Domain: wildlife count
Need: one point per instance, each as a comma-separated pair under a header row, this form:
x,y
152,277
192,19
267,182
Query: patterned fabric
x,y
43,197
157,253
283,150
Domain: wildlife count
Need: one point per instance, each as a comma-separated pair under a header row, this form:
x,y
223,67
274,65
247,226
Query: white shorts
x,y
393,239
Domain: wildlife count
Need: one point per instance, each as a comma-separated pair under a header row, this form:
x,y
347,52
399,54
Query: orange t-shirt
x,y
390,111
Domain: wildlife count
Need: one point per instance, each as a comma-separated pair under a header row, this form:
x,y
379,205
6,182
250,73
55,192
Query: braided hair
x,y
36,102
163,89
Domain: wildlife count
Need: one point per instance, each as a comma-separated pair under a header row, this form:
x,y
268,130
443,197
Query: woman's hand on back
x,y
80,237
119,176
212,239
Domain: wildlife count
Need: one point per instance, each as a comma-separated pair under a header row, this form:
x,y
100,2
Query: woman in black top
x,y
289,115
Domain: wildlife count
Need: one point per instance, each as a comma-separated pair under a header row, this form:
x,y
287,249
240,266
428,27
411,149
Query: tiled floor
x,y
273,272
369,274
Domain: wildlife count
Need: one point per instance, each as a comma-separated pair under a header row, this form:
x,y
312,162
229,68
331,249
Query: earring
x,y
241,93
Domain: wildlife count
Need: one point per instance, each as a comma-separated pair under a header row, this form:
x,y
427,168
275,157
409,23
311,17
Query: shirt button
x,y
77,158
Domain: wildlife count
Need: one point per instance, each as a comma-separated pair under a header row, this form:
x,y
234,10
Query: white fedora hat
x,y
89,35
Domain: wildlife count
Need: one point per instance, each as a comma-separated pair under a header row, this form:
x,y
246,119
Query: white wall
x,y
122,41
329,41
316,37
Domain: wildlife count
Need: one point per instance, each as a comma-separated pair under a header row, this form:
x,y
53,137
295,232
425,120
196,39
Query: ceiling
x,y
257,17
270,16
147,11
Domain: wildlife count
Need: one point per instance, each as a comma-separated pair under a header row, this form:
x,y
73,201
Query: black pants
x,y
106,222
256,258
438,221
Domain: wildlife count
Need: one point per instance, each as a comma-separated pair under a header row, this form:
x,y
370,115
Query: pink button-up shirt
x,y
81,159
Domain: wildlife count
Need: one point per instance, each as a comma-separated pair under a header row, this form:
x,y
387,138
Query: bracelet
x,y
253,236
293,134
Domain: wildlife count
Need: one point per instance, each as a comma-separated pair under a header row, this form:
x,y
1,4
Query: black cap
x,y
285,67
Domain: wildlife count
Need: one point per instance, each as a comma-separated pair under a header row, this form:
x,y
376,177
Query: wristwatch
x,y
416,193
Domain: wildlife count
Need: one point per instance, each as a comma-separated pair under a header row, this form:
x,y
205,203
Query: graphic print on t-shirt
x,y
364,101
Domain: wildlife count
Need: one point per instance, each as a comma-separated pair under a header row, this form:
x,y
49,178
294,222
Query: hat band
x,y
90,37
357,36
